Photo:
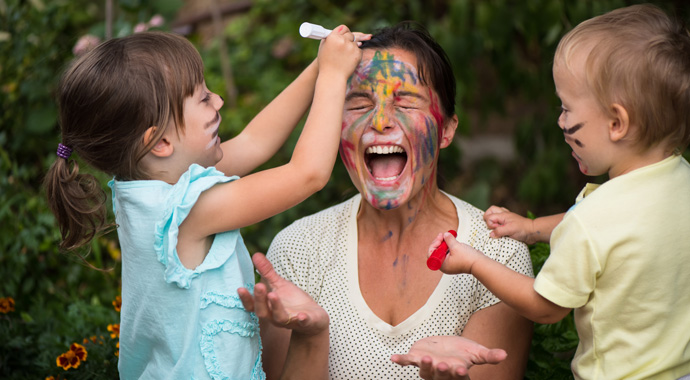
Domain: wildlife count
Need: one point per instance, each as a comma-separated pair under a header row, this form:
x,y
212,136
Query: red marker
x,y
436,259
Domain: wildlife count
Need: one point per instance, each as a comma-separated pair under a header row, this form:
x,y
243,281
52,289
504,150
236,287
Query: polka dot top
x,y
318,253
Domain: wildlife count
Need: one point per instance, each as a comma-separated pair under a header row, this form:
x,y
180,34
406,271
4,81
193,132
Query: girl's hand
x,y
502,222
460,257
285,305
339,53
447,357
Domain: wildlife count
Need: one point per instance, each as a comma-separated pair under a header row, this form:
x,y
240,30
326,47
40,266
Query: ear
x,y
619,125
162,148
448,131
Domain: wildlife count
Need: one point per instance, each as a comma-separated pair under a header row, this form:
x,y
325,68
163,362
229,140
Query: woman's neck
x,y
425,209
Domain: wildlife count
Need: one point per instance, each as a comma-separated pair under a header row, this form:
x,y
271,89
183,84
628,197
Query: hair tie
x,y
64,151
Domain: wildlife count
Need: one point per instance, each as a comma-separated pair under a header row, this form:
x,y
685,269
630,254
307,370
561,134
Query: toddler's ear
x,y
162,148
619,125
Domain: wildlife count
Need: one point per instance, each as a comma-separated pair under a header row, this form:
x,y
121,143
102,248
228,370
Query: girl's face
x,y
392,125
200,141
584,123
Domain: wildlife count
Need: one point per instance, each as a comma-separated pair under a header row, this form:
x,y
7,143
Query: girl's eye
x,y
206,98
563,109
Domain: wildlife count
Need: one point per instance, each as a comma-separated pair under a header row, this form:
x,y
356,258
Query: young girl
x,y
138,108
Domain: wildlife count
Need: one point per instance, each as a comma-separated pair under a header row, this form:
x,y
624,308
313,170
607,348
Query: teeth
x,y
386,179
385,149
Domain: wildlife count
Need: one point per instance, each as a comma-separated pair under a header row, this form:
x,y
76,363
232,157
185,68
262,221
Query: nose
x,y
380,120
219,104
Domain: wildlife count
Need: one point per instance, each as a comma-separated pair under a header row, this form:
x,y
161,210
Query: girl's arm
x,y
261,195
269,130
530,231
513,288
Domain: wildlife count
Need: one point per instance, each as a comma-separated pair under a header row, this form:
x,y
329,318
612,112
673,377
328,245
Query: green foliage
x,y
553,346
501,51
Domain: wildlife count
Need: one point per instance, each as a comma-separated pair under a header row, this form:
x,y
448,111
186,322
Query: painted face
x,y
391,126
200,141
584,123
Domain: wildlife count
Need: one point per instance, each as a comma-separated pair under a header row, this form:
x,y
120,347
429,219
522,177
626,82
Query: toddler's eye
x,y
206,98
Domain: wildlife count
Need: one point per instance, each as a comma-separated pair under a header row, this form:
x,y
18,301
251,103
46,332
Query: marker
x,y
435,261
313,31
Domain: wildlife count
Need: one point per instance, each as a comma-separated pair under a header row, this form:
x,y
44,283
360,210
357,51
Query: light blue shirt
x,y
178,323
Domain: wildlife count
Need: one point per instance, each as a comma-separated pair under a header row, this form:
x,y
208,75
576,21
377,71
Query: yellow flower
x,y
72,358
114,330
117,304
117,353
6,305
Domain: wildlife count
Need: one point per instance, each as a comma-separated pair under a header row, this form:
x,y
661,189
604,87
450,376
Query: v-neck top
x,y
319,254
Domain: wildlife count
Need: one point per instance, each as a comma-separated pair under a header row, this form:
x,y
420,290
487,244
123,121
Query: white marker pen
x,y
317,32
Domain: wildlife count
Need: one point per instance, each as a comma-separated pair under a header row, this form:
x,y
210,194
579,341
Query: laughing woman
x,y
364,260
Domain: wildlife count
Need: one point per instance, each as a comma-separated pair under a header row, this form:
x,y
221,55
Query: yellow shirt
x,y
621,259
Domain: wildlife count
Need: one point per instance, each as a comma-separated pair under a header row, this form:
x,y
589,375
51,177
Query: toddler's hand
x,y
339,52
503,222
285,305
447,357
460,257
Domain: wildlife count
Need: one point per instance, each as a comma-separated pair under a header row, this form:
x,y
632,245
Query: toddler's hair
x,y
639,58
107,100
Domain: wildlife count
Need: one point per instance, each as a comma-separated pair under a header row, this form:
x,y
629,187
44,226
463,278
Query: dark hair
x,y
108,99
433,64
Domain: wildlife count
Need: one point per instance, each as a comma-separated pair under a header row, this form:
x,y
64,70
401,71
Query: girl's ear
x,y
162,148
619,125
449,128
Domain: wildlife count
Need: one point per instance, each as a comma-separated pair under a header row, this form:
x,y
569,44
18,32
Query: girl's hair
x,y
639,58
433,64
107,100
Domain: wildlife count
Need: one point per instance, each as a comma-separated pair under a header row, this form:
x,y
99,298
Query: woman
x,y
364,260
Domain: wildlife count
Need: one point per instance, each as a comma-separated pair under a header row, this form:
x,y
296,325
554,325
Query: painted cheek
x,y
435,110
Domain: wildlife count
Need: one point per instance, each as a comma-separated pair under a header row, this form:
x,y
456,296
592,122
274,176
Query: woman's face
x,y
392,126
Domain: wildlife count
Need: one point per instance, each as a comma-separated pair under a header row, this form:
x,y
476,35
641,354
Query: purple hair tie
x,y
64,151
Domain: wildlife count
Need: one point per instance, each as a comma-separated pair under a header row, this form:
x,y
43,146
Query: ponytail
x,y
77,201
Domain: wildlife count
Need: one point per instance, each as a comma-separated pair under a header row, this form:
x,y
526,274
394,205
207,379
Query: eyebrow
x,y
357,94
573,129
410,94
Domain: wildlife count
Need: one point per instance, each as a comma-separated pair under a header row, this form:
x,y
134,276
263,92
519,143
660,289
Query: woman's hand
x,y
448,357
285,305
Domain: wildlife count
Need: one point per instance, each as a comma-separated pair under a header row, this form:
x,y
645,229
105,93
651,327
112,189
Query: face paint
x,y
390,136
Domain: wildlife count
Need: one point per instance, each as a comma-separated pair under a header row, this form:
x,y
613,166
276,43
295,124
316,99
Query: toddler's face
x,y
584,123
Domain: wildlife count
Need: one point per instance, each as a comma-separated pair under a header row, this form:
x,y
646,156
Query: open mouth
x,y
385,162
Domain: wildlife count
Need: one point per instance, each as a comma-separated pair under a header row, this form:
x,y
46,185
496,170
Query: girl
x,y
138,108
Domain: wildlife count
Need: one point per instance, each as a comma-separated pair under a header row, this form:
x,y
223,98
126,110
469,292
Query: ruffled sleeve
x,y
178,204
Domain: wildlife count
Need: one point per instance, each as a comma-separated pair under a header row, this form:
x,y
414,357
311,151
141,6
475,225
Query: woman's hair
x,y
107,100
433,64
639,58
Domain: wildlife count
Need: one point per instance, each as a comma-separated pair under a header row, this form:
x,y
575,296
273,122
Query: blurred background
x,y
508,149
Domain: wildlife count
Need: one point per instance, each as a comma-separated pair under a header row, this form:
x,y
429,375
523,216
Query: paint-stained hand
x,y
460,256
285,305
339,53
448,357
503,222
